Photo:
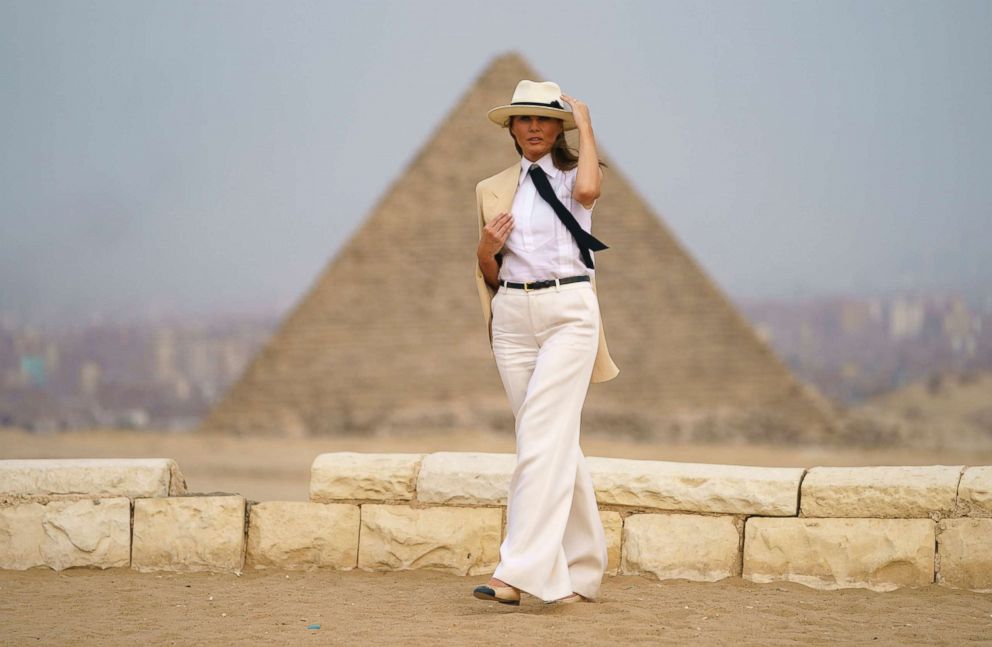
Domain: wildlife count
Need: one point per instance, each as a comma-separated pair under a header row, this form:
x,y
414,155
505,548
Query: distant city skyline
x,y
168,375
195,157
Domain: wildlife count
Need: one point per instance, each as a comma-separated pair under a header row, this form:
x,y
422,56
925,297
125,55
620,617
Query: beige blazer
x,y
493,196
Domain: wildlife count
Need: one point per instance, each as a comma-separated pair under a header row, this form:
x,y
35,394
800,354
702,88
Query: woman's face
x,y
535,135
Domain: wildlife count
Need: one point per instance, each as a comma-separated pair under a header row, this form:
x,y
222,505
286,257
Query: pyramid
x,y
390,336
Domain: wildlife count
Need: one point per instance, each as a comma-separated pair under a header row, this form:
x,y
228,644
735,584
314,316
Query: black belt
x,y
538,285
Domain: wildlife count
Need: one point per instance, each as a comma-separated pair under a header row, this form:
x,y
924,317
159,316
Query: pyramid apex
x,y
508,58
508,65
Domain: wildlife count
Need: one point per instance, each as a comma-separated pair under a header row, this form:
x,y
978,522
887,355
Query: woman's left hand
x,y
580,111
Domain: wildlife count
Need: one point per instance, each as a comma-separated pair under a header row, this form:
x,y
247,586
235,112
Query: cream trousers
x,y
545,343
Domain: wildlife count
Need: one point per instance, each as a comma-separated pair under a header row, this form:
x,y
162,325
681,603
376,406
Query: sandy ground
x,y
278,469
120,607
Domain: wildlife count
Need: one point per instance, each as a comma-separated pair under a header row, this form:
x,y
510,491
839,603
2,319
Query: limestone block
x,y
88,533
473,478
63,534
681,546
965,549
885,492
90,477
22,536
464,541
697,487
189,534
299,535
975,493
877,554
350,476
613,527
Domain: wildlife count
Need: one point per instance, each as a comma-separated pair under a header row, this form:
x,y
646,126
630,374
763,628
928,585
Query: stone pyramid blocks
x,y
90,477
481,479
464,541
965,549
885,492
470,478
446,511
878,554
64,534
696,487
64,513
713,521
198,533
975,492
682,546
300,535
364,477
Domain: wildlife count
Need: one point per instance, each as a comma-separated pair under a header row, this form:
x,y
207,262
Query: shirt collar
x,y
545,163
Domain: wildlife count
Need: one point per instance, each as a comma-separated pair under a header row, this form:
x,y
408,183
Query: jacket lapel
x,y
501,192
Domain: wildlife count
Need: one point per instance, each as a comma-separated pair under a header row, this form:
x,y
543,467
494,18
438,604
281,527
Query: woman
x,y
535,276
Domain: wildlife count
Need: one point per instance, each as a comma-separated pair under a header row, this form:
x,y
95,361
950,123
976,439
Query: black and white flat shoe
x,y
568,599
501,594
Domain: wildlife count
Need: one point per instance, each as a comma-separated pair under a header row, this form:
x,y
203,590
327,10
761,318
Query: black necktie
x,y
583,238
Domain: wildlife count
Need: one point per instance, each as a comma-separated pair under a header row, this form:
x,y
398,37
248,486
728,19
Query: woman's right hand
x,y
494,235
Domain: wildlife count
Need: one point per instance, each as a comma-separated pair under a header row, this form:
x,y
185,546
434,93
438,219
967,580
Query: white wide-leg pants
x,y
545,344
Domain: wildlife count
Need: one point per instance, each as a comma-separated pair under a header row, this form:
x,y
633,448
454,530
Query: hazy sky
x,y
185,156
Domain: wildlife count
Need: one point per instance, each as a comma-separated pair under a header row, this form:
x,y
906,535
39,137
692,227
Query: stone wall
x,y
826,527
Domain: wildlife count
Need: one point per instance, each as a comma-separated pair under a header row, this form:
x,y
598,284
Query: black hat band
x,y
553,104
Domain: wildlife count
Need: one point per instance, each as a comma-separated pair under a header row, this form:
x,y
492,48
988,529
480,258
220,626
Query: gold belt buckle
x,y
526,286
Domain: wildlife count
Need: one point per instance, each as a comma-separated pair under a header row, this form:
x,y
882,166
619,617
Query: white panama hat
x,y
533,98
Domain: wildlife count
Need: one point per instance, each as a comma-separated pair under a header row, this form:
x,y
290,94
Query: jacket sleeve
x,y
486,293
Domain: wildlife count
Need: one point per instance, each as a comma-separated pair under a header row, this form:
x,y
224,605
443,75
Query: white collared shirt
x,y
540,247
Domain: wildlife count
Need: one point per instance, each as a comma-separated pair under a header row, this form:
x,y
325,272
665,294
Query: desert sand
x,y
121,607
